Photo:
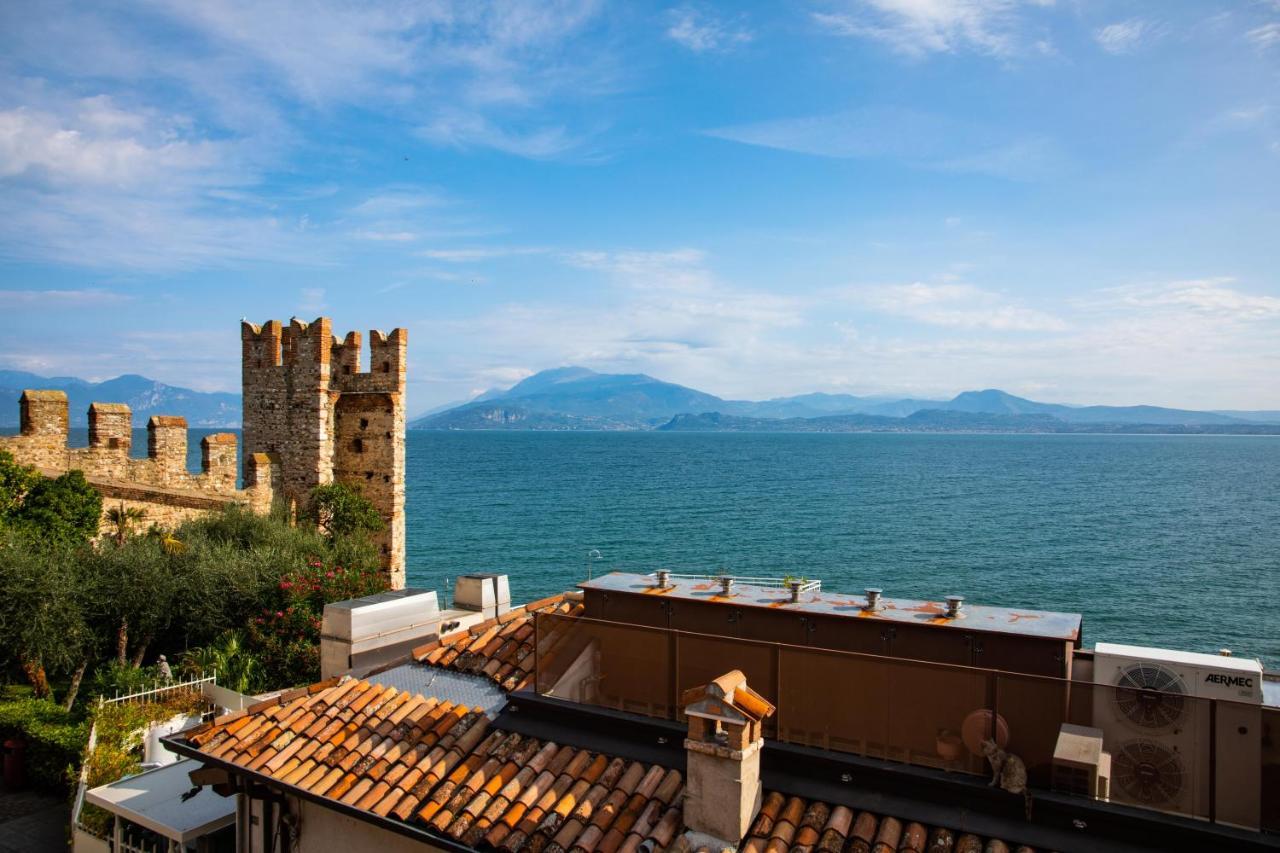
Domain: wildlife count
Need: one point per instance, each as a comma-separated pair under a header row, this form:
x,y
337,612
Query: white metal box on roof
x,y
1209,676
1184,730
363,632
364,618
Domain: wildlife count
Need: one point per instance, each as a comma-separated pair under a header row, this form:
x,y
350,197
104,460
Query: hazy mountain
x,y
578,398
1260,417
944,421
622,401
993,401
146,397
504,416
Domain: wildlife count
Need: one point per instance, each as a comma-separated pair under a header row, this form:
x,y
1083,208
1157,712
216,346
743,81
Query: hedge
x,y
54,737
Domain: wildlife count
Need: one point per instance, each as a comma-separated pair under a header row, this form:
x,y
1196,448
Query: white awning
x,y
153,799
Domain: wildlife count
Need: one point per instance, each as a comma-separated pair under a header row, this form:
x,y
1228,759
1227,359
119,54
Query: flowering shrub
x,y
285,636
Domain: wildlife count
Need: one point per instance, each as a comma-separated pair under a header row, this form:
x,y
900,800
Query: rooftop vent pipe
x,y
954,603
873,598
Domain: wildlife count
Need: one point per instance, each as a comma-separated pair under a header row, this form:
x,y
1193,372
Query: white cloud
x,y
702,31
1265,36
960,306
920,140
100,144
396,203
1209,297
475,254
1124,36
312,300
169,174
471,130
59,299
921,27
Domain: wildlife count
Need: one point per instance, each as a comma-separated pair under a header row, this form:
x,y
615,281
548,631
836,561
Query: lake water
x,y
1158,540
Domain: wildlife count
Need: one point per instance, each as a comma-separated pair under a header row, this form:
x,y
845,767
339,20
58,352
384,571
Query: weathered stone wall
x,y
308,404
311,416
160,484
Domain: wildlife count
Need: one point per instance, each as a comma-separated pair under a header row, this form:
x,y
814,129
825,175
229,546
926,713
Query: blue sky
x,y
1076,201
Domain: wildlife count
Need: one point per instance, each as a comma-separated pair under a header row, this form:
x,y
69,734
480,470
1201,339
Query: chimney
x,y
487,593
723,792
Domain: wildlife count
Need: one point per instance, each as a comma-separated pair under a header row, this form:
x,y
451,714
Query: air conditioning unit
x,y
1080,765
1172,748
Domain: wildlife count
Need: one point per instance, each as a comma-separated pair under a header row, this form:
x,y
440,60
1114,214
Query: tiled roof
x,y
444,768
501,648
791,823
441,766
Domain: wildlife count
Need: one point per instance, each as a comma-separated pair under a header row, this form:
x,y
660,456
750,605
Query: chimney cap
x,y
728,699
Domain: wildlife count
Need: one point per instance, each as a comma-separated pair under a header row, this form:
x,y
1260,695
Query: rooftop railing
x,y
1200,758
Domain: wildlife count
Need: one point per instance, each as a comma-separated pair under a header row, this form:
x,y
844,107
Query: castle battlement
x,y
106,462
309,405
311,416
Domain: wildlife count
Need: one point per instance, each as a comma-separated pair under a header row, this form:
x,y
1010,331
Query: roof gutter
x,y
177,744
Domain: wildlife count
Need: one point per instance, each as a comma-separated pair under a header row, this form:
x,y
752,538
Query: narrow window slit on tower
x,y
358,445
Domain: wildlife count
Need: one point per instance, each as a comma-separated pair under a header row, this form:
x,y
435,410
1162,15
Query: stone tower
x,y
311,409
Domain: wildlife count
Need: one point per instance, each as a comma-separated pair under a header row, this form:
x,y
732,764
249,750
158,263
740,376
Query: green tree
x,y
15,481
236,668
44,587
122,518
341,511
65,509
134,588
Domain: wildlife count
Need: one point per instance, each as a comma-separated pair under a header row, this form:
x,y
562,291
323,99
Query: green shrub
x,y
54,740
117,751
341,510
113,679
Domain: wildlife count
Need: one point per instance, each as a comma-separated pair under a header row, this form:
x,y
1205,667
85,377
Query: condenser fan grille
x,y
1150,696
1149,773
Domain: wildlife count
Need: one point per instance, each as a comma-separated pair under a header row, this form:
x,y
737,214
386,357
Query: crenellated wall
x,y
312,416
160,484
309,405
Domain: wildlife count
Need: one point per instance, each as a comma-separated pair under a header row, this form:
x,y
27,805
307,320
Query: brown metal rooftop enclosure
x,y
900,684
800,614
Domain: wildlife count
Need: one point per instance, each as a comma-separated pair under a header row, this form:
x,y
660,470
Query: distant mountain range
x,y
146,397
575,398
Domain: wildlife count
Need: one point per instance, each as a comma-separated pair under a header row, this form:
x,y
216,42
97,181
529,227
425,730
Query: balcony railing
x,y
1202,758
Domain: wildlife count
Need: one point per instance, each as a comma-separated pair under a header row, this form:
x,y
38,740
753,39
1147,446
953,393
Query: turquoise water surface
x,y
1160,540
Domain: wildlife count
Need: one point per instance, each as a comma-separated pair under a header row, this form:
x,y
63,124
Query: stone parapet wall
x,y
160,484
312,416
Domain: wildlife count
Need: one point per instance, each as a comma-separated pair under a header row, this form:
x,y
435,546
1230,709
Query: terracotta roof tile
x,y
442,767
825,828
499,649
